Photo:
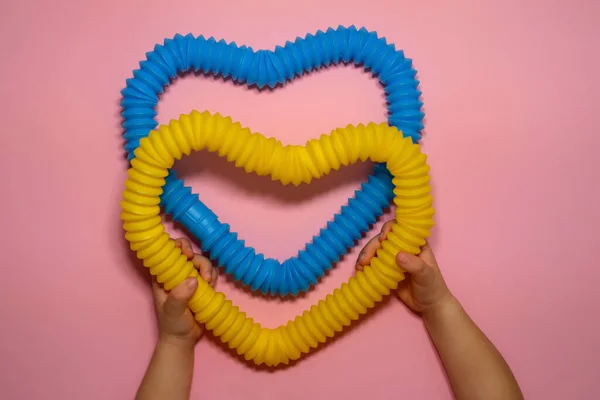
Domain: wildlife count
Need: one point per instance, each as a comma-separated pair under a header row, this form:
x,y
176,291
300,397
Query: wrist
x,y
176,342
447,305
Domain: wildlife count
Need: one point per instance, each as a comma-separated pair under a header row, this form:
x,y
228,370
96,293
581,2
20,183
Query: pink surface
x,y
511,96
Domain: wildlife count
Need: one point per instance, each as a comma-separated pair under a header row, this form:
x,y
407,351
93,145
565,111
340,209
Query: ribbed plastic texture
x,y
269,68
255,153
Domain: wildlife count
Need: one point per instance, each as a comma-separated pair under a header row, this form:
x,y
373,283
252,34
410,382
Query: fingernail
x,y
191,283
402,258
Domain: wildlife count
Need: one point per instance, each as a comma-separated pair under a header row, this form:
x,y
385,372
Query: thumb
x,y
420,272
176,302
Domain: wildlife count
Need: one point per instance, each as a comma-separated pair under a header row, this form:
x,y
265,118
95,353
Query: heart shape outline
x,y
380,143
271,68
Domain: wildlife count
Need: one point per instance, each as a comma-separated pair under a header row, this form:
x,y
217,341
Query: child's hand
x,y
175,320
424,288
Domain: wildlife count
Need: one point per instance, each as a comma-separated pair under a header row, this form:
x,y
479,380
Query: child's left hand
x,y
176,322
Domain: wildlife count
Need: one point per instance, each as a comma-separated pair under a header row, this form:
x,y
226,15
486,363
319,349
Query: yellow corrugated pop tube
x,y
288,164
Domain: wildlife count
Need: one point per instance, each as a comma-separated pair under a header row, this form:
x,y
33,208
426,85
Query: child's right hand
x,y
424,288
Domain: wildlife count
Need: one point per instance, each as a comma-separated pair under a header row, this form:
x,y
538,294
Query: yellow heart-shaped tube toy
x,y
288,164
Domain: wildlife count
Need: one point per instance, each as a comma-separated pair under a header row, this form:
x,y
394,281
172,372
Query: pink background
x,y
511,96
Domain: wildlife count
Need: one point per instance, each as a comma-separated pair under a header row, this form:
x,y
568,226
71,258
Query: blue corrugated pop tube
x,y
269,68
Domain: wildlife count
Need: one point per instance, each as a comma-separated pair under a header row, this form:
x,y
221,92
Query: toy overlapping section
x,y
269,68
257,154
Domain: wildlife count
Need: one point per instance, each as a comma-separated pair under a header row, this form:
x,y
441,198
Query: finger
x,y
176,303
421,273
186,247
204,266
367,253
158,293
214,277
403,291
427,255
385,229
